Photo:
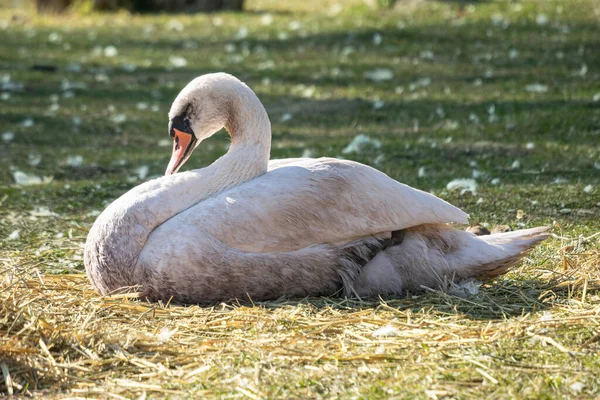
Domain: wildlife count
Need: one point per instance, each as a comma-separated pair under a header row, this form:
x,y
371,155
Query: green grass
x,y
462,98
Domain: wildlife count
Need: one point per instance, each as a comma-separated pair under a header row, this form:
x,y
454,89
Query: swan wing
x,y
301,202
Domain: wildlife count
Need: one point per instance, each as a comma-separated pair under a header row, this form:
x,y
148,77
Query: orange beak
x,y
183,145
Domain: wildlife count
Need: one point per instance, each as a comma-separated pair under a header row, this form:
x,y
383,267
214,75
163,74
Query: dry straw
x,y
59,338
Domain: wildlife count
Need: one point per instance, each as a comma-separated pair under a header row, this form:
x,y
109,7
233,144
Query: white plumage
x,y
246,227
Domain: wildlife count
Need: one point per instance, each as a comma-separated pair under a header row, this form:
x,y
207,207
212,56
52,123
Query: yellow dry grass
x,y
59,338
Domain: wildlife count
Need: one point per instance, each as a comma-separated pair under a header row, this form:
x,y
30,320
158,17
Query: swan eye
x,y
180,123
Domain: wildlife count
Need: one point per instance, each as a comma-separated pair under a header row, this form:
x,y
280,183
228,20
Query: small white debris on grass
x,y
102,77
110,51
439,110
516,164
34,159
142,171
242,33
129,67
10,86
73,67
8,137
66,85
308,92
14,235
451,125
165,143
42,211
419,83
597,164
495,181
465,185
422,172
286,117
475,174
55,37
265,65
361,143
536,88
480,200
165,334
27,123
346,51
576,387
581,71
387,330
588,188
426,55
23,179
295,25
530,146
559,180
546,316
335,9
497,19
378,104
464,289
74,161
53,108
492,117
513,53
119,118
175,25
266,19
379,74
377,39
596,97
474,118
541,19
178,61
379,160
308,153
142,105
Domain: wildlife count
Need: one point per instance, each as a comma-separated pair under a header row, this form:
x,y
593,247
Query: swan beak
x,y
183,145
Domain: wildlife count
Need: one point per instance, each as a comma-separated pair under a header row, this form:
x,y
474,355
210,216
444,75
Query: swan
x,y
252,229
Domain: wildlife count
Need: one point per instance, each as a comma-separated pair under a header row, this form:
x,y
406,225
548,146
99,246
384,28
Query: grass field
x,y
504,92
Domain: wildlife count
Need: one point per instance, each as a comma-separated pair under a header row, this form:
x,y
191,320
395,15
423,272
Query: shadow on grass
x,y
495,301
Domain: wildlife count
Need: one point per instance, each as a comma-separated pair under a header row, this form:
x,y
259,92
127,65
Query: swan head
x,y
200,110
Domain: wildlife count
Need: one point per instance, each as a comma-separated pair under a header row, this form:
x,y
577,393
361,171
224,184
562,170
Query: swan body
x,y
249,228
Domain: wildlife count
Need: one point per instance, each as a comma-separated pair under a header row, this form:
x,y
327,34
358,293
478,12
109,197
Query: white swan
x,y
249,228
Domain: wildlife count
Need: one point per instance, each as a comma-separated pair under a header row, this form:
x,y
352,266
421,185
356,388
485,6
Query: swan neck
x,y
249,126
121,231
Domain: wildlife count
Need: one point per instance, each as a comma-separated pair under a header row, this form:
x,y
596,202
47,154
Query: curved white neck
x,y
121,231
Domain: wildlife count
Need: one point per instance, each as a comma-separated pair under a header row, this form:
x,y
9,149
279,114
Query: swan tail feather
x,y
433,255
516,245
